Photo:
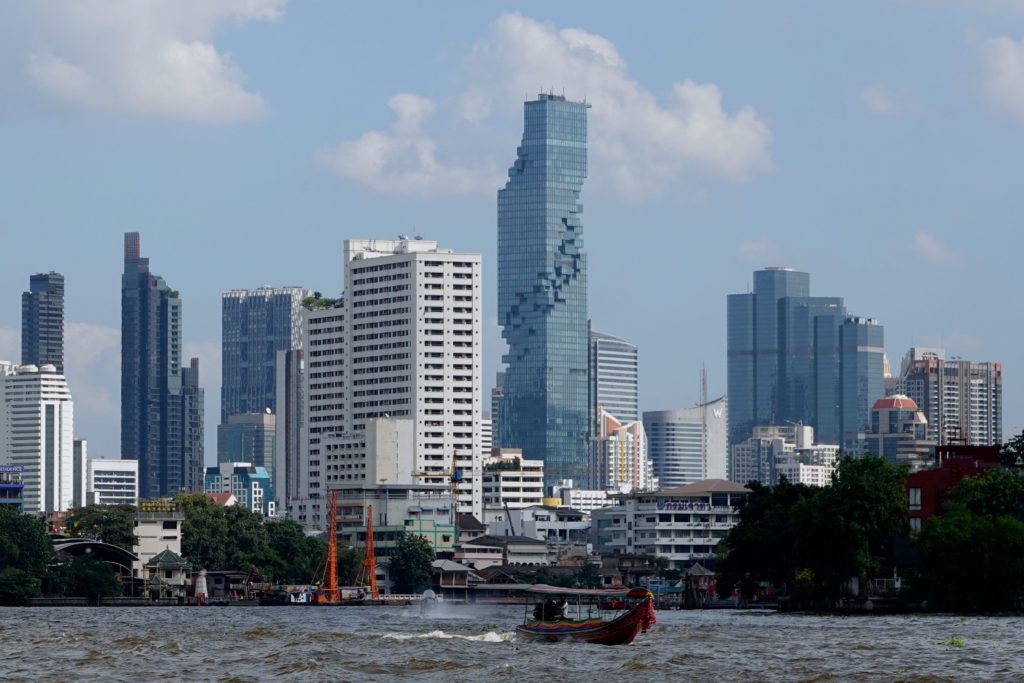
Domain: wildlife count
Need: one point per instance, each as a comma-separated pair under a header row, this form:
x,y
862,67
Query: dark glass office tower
x,y
161,406
42,321
542,292
752,340
794,358
256,324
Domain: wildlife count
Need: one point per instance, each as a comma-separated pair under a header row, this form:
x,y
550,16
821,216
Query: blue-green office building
x,y
542,291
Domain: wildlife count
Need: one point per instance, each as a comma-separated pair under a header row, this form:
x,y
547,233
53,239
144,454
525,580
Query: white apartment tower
x,y
36,432
404,343
414,351
323,404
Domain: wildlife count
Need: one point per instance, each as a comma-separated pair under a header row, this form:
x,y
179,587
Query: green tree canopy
x,y
114,524
1012,452
827,535
87,577
972,555
204,533
17,586
410,569
24,542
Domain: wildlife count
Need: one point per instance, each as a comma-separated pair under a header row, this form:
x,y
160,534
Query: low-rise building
x,y
562,526
509,479
515,550
926,488
584,500
683,525
168,576
251,485
11,487
422,509
157,528
776,451
112,482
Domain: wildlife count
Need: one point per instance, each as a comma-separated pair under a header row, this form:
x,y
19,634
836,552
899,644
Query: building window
x,y
914,497
915,524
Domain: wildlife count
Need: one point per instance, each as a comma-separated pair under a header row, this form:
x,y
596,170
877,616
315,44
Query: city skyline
x,y
899,166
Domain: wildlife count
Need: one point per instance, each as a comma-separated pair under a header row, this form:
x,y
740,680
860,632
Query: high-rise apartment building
x,y
161,402
256,324
542,292
961,399
288,428
622,457
403,344
323,403
37,434
690,444
42,321
794,358
614,378
497,396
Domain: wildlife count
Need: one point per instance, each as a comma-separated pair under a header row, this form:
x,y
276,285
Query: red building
x,y
926,489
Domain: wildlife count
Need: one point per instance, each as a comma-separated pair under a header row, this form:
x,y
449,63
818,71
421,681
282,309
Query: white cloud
x,y
930,249
148,57
885,101
640,146
1004,81
402,159
762,251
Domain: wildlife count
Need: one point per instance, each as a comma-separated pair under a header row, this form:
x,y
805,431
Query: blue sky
x,y
876,145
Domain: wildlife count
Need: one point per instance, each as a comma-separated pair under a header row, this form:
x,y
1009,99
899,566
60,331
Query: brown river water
x,y
477,643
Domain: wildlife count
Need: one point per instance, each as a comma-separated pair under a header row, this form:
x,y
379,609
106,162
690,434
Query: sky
x,y
877,145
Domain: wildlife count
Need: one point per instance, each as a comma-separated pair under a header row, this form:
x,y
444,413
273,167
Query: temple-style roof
x,y
167,559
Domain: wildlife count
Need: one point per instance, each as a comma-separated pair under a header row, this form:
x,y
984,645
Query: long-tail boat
x,y
551,620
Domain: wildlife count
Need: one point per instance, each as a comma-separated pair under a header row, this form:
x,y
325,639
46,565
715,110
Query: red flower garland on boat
x,y
648,618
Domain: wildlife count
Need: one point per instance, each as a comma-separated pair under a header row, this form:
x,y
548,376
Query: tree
x,y
589,576
411,566
87,577
204,533
24,542
114,524
972,556
993,494
249,544
350,564
1012,452
297,557
17,586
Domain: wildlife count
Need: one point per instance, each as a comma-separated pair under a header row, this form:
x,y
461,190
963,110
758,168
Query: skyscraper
x,y
161,405
614,378
542,292
288,427
688,445
794,358
256,324
42,321
962,399
37,434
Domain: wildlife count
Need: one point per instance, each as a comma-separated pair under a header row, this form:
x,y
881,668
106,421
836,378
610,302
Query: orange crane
x,y
329,592
369,561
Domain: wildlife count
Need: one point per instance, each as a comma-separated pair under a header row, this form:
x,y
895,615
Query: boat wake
x,y
489,637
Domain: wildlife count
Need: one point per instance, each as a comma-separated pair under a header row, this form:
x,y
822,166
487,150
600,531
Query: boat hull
x,y
619,631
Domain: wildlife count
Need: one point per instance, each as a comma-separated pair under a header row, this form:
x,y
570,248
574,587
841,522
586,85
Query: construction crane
x,y
369,559
329,593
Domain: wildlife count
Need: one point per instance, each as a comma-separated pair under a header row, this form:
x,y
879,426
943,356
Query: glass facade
x,y
161,404
42,321
794,358
542,292
255,325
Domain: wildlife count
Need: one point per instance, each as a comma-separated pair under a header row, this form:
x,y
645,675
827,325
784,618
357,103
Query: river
x,y
476,643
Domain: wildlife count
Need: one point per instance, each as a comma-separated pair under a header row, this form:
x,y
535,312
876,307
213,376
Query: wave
x,y
489,637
